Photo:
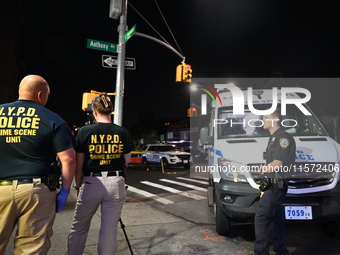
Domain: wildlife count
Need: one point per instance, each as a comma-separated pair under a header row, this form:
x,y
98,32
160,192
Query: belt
x,y
109,173
20,181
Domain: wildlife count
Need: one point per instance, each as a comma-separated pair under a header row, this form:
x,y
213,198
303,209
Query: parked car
x,y
167,154
198,156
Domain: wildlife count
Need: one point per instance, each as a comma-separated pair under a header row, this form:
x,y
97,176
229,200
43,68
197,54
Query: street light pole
x,y
122,28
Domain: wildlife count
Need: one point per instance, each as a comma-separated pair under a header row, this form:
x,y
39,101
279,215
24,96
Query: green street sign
x,y
130,33
99,45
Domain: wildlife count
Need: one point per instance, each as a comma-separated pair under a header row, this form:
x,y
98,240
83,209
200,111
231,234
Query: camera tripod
x,y
126,237
123,227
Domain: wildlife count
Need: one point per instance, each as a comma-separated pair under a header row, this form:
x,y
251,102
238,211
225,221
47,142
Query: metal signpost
x,y
122,28
118,9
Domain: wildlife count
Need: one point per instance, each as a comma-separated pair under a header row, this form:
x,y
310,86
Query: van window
x,y
251,125
182,146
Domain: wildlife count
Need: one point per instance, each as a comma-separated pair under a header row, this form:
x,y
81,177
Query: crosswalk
x,y
182,186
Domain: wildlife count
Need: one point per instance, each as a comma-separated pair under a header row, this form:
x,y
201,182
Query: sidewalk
x,y
149,231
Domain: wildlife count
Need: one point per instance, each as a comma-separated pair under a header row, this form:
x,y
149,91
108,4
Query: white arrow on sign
x,y
109,61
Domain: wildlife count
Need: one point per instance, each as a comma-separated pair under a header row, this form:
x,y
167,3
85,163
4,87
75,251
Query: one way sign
x,y
109,61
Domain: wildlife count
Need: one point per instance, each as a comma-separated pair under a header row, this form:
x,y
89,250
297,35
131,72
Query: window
x,y
251,125
167,148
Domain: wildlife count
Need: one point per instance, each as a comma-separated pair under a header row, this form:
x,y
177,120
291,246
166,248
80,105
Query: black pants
x,y
269,222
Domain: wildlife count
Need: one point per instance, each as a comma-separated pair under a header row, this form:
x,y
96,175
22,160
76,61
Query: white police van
x,y
167,154
237,143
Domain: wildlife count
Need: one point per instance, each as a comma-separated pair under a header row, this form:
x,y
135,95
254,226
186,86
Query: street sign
x,y
100,45
130,33
109,61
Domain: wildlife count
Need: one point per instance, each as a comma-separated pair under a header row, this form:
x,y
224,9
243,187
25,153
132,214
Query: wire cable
x,y
155,28
148,23
166,23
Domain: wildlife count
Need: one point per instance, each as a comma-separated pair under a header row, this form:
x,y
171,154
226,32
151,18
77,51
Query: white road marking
x,y
183,184
150,195
172,190
192,180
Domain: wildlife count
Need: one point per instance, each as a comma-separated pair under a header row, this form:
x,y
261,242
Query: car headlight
x,y
229,172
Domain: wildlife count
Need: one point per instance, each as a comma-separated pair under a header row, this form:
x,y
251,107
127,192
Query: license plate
x,y
185,161
298,212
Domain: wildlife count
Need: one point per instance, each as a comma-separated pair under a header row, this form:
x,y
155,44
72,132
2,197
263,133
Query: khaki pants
x,y
109,192
31,207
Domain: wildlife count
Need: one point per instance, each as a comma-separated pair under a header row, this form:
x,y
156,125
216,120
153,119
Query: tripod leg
x,y
126,237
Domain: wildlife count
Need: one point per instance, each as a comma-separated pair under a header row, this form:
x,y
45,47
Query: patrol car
x,y
167,154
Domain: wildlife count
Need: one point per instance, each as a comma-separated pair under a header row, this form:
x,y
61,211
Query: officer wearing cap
x,y
269,219
102,151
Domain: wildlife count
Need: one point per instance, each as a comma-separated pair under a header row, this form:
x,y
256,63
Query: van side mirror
x,y
204,136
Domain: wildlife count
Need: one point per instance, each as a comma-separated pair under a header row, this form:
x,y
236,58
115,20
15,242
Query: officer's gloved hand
x,y
62,198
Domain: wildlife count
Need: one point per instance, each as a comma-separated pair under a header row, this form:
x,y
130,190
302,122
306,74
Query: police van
x,y
237,144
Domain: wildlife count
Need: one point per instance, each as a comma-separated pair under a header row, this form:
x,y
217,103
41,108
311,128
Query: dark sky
x,y
219,38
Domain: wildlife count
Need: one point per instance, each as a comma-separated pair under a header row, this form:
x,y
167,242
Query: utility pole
x,y
122,28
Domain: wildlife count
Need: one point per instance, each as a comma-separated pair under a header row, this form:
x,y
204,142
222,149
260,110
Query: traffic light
x,y
187,73
189,112
88,97
179,73
183,73
192,112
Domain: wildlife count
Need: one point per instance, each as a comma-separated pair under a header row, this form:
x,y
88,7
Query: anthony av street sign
x,y
100,45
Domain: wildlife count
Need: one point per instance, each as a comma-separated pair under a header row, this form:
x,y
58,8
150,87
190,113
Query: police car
x,y
167,154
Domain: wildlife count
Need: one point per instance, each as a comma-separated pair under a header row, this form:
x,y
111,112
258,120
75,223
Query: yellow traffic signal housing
x,y
183,73
88,97
189,112
179,73
187,73
192,112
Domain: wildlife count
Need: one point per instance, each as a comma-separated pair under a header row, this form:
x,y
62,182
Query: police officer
x,y
102,151
269,219
30,138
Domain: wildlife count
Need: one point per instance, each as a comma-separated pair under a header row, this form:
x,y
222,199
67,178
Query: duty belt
x,y
109,173
20,181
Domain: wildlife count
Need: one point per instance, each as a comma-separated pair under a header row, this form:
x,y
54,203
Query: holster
x,y
52,180
280,181
266,184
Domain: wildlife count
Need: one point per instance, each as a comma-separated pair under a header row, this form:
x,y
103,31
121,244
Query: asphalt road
x,y
166,213
188,201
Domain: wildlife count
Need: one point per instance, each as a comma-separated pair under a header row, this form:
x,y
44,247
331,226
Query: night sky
x,y
219,38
